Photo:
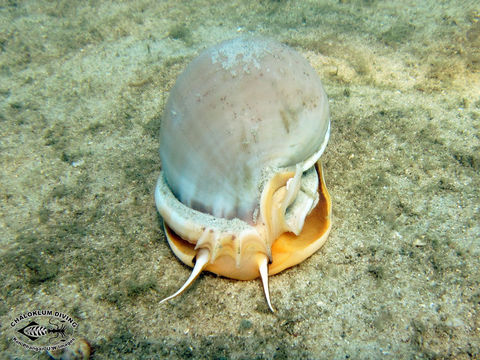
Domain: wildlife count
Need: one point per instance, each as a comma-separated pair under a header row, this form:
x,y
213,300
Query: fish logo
x,y
34,331
44,330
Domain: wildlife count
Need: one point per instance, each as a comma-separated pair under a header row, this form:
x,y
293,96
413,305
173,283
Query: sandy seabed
x,y
82,89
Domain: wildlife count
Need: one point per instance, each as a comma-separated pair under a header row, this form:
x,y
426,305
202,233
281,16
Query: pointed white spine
x,y
202,259
263,267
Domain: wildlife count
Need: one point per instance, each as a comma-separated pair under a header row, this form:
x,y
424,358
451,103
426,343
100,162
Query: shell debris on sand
x,y
79,350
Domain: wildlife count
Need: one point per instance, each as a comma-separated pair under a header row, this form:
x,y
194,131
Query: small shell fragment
x,y
79,350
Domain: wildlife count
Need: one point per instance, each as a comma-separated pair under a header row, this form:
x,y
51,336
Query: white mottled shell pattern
x,y
278,122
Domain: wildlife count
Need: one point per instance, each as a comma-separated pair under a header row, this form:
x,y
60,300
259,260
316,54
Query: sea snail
x,y
241,191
